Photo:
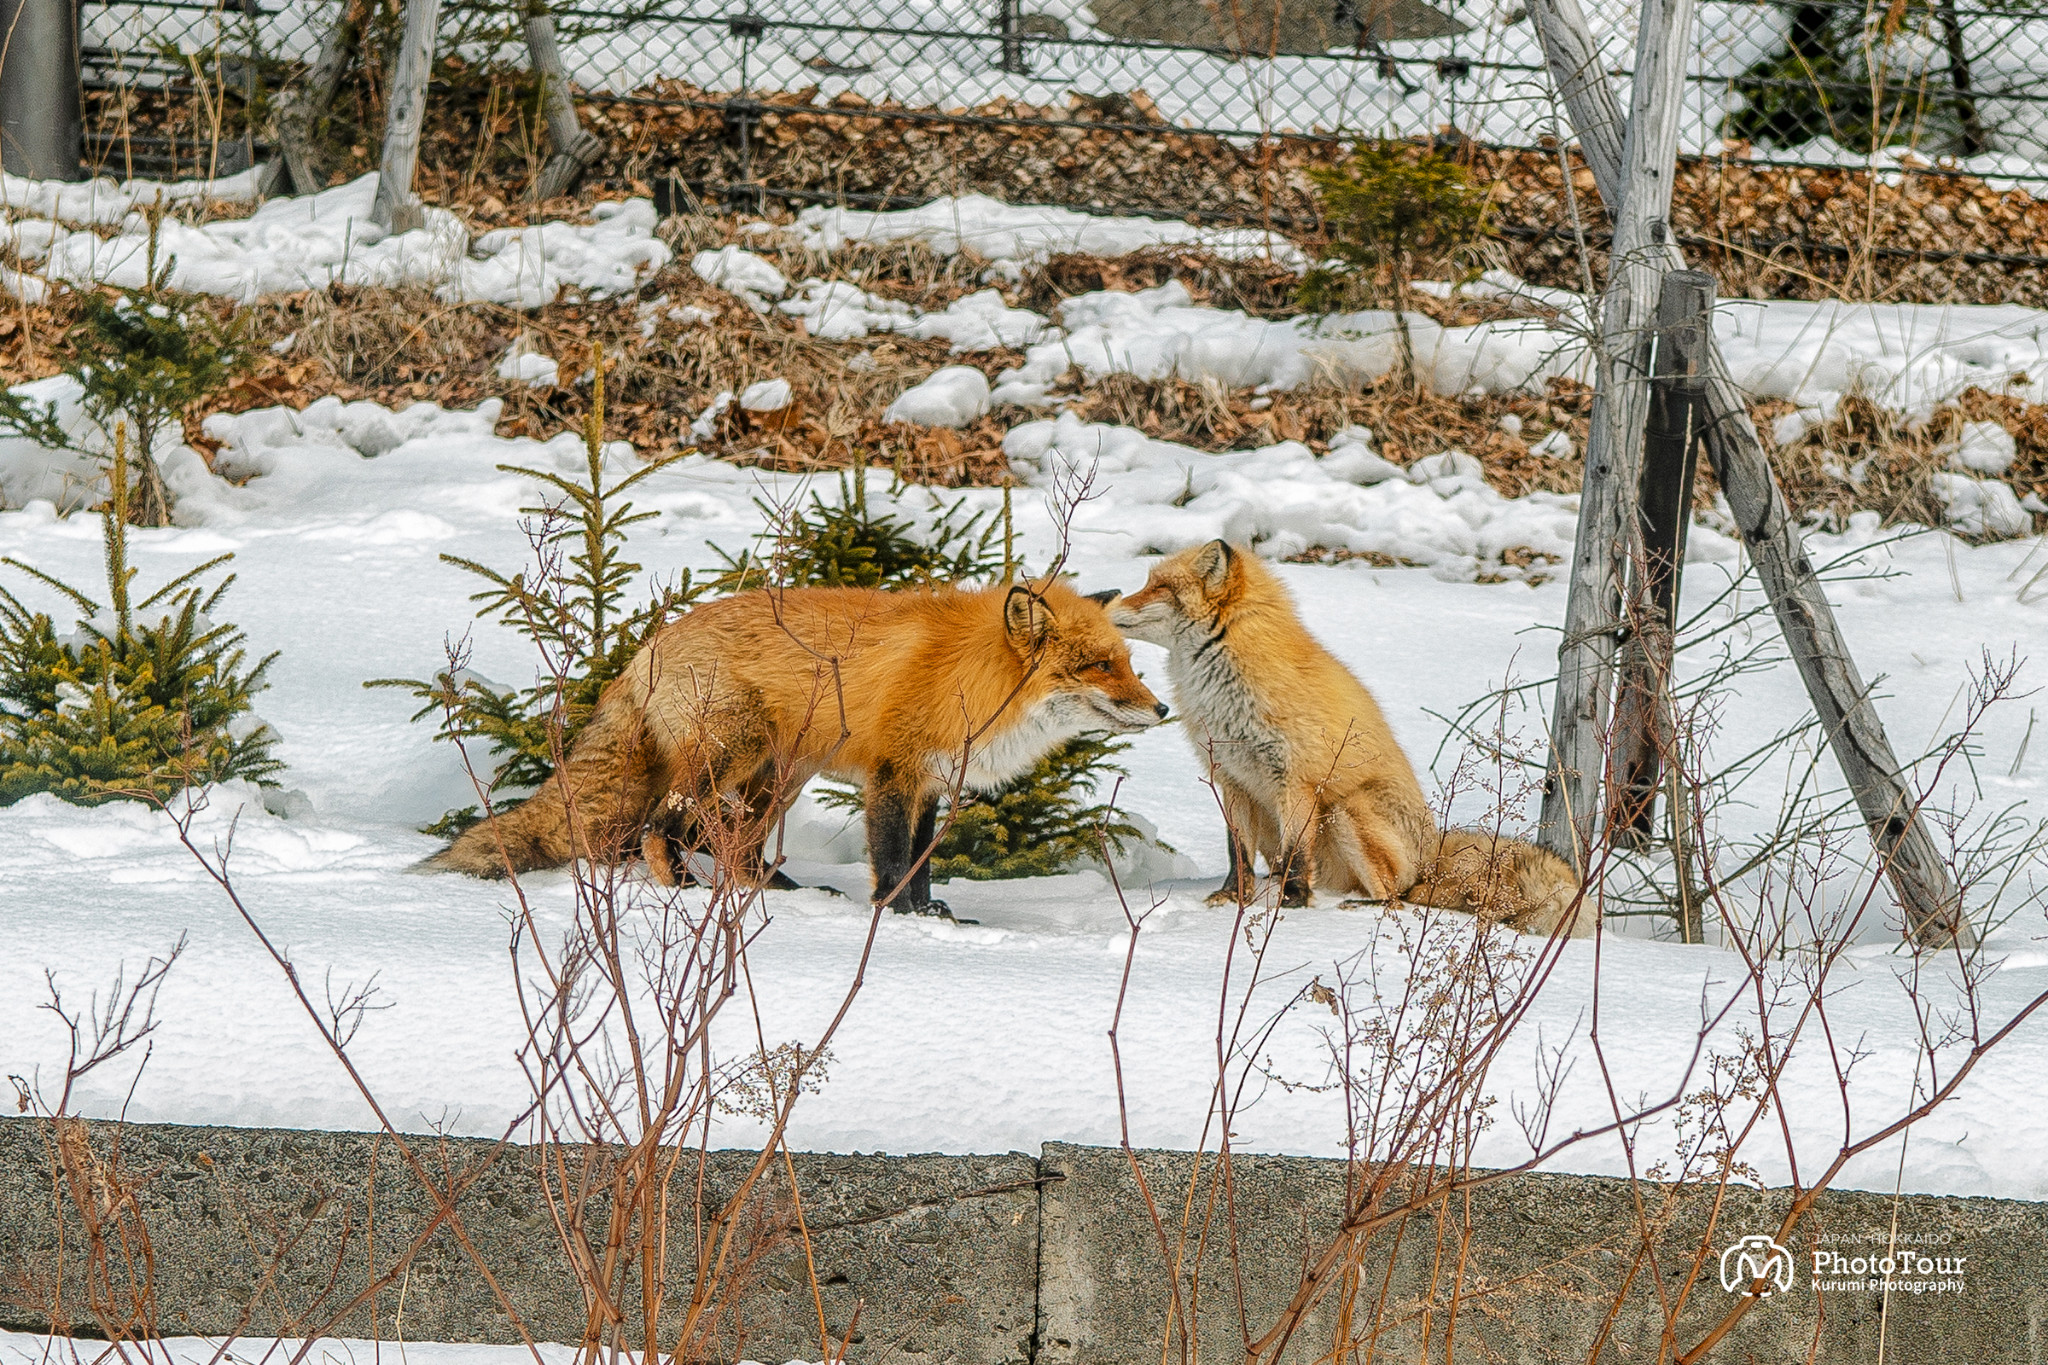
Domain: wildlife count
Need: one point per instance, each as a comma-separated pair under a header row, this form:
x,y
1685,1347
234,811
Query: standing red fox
x,y
1309,773
743,700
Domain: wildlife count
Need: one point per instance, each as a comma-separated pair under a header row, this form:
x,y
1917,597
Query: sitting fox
x,y
1308,771
743,700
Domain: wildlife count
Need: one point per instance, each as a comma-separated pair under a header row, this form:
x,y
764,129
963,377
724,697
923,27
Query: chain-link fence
x,y
1912,84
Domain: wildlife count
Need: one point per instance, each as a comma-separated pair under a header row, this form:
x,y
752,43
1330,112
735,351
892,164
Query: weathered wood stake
x,y
397,208
1643,731
1918,875
1607,530
576,148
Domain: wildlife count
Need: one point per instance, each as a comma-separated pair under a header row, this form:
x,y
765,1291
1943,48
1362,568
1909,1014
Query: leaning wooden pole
x,y
576,148
1608,534
1840,698
300,111
405,117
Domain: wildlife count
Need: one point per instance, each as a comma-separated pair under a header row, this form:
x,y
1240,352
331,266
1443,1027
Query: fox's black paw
x,y
936,909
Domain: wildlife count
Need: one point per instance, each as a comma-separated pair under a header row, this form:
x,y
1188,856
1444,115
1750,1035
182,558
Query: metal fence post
x,y
1010,23
41,127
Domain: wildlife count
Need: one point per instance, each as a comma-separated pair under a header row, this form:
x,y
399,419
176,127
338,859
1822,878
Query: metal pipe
x,y
41,126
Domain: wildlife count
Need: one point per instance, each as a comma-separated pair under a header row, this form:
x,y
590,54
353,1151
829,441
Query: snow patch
x,y
1029,232
311,241
1984,448
752,279
1982,507
951,397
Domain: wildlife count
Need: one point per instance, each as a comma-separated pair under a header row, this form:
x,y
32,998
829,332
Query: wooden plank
x,y
397,208
576,148
1607,529
1643,730
1919,876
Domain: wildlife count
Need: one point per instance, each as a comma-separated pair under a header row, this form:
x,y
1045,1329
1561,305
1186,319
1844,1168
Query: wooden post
x,y
299,112
1642,698
576,149
1607,512
1918,875
397,208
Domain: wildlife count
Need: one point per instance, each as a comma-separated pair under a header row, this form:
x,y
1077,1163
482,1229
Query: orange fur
x,y
745,699
1309,772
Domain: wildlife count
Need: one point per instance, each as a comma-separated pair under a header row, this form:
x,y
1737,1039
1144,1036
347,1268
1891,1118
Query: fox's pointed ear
x,y
1212,565
1026,619
1106,596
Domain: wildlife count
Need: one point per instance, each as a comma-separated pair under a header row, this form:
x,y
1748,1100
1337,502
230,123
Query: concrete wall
x,y
1006,1259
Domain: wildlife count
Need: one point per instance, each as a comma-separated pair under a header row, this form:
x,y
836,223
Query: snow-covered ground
x,y
979,1037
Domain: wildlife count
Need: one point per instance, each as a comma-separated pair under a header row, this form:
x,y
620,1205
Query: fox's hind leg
x,y
1301,816
765,806
708,808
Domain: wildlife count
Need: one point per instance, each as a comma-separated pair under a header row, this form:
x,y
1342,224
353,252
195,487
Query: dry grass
x,y
401,346
1407,424
1869,458
1257,286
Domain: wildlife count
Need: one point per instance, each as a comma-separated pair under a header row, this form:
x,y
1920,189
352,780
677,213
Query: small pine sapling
x,y
143,699
1390,209
571,606
845,545
143,358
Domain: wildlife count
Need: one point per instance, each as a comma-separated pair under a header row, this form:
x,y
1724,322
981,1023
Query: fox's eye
x,y
1103,666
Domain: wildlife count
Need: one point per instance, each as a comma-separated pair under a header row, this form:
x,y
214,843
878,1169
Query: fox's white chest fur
x,y
1229,726
1007,752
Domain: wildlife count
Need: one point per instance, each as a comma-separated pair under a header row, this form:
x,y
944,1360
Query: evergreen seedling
x,y
142,699
845,545
572,606
1390,209
143,358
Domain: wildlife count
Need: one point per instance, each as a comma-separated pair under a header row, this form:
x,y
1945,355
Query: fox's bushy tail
x,y
609,777
1506,881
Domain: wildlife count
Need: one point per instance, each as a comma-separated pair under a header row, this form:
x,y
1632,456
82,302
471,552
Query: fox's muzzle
x,y
1127,717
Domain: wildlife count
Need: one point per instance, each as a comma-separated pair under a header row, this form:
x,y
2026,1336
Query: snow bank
x,y
833,310
1160,333
951,397
1905,356
1908,357
1283,498
752,279
1982,507
312,241
101,200
1984,448
1029,232
524,365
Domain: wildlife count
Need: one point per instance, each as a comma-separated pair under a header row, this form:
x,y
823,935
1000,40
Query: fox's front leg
x,y
1241,844
901,824
1297,841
